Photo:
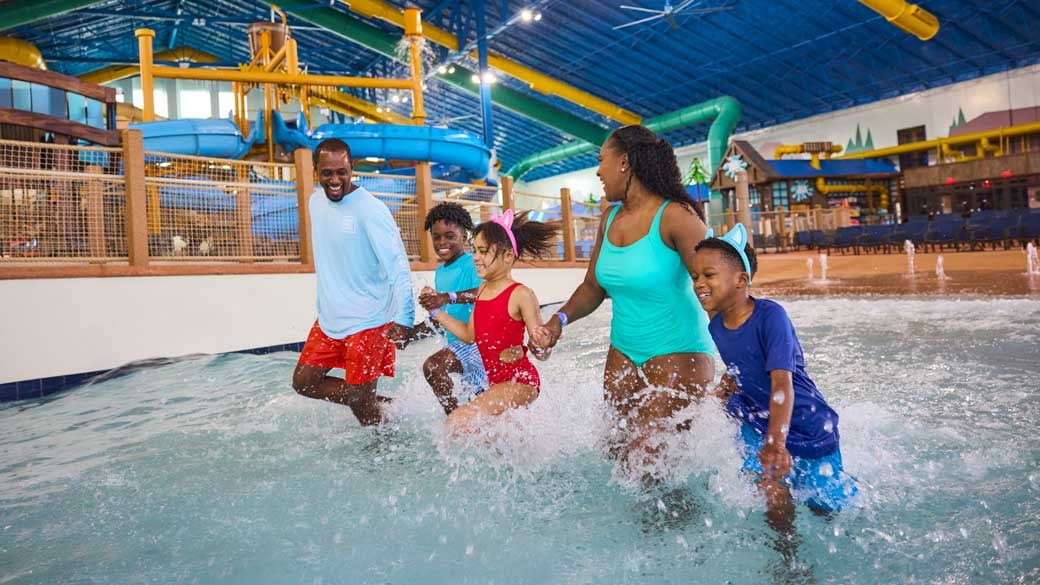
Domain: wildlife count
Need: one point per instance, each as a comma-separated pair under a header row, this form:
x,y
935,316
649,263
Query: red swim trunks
x,y
365,355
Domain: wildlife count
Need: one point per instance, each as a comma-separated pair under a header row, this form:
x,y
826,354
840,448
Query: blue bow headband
x,y
737,238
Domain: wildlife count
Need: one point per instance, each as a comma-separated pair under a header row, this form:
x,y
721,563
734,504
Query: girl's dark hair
x,y
652,161
730,253
533,238
449,212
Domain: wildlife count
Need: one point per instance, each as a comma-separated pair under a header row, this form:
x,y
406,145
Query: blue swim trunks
x,y
474,379
820,483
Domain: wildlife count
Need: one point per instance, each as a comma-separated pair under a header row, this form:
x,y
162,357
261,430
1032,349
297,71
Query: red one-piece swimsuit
x,y
496,330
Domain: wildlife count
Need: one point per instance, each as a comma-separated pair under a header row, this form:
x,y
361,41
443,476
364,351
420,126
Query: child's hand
x,y
776,461
540,353
545,336
541,338
431,299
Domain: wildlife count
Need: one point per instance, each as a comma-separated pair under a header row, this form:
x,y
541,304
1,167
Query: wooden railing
x,y
91,211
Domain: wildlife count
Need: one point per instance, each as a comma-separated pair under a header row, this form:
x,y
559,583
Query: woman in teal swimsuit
x,y
661,355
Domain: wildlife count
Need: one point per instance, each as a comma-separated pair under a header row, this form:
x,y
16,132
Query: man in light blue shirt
x,y
365,304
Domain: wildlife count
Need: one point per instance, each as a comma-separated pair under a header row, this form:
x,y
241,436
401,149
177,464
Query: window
x,y
95,113
225,104
755,198
22,100
195,103
913,159
780,195
77,108
161,107
5,93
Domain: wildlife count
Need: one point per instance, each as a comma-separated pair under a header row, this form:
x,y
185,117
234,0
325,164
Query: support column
x,y
482,70
144,47
781,227
743,192
424,200
507,193
304,187
134,194
567,226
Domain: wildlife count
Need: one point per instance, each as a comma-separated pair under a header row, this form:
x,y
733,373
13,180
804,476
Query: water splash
x,y
1032,261
809,265
940,271
908,247
823,267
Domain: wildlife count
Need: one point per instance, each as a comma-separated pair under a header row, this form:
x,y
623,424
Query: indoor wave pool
x,y
211,470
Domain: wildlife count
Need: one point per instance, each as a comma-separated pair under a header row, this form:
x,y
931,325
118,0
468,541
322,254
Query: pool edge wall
x,y
58,332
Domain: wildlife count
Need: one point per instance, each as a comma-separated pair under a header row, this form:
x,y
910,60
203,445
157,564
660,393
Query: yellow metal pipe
x,y
261,77
276,61
881,190
538,81
350,105
21,52
936,143
117,72
413,32
144,47
542,83
909,18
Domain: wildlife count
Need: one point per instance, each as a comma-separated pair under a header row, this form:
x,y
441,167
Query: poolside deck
x,y
997,273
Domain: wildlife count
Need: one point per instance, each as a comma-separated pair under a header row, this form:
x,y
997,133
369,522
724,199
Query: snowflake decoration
x,y
733,165
801,191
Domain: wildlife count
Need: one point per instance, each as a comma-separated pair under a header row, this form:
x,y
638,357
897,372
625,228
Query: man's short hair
x,y
331,145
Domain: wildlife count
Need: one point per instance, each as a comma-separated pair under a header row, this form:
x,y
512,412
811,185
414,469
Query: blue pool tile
x,y
29,389
52,385
9,391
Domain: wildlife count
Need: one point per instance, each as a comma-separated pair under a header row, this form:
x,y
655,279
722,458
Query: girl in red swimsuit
x,y
504,308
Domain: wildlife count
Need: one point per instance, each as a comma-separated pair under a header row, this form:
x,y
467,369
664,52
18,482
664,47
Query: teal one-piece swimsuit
x,y
655,309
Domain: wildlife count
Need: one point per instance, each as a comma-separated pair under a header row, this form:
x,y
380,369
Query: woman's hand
x,y
548,334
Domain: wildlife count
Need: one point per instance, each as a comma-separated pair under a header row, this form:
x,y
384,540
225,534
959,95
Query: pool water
x,y
211,470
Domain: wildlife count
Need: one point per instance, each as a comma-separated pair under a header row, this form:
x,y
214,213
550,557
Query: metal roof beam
x,y
357,31
538,81
14,14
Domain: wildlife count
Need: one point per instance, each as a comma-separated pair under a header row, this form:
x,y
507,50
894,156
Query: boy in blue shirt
x,y
789,431
456,282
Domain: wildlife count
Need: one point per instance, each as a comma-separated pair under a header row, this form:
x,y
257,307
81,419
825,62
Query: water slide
x,y
216,138
274,217
452,148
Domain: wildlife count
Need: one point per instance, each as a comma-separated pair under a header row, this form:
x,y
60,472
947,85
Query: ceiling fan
x,y
670,11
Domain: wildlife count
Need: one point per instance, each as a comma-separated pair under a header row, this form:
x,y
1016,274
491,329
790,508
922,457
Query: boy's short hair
x,y
731,253
449,212
331,145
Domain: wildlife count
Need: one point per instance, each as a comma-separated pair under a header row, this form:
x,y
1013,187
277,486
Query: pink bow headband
x,y
506,220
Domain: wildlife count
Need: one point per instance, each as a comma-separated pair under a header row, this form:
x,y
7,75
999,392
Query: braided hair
x,y
653,162
533,238
451,213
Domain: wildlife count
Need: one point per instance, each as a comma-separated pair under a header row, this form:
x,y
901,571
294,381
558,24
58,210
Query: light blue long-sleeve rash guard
x,y
364,279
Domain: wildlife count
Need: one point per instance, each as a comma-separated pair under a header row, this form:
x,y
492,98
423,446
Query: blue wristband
x,y
562,317
434,312
453,298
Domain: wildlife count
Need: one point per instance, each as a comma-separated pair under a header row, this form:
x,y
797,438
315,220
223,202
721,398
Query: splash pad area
x,y
211,470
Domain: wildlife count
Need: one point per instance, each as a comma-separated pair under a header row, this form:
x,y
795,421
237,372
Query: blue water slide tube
x,y
395,142
214,138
